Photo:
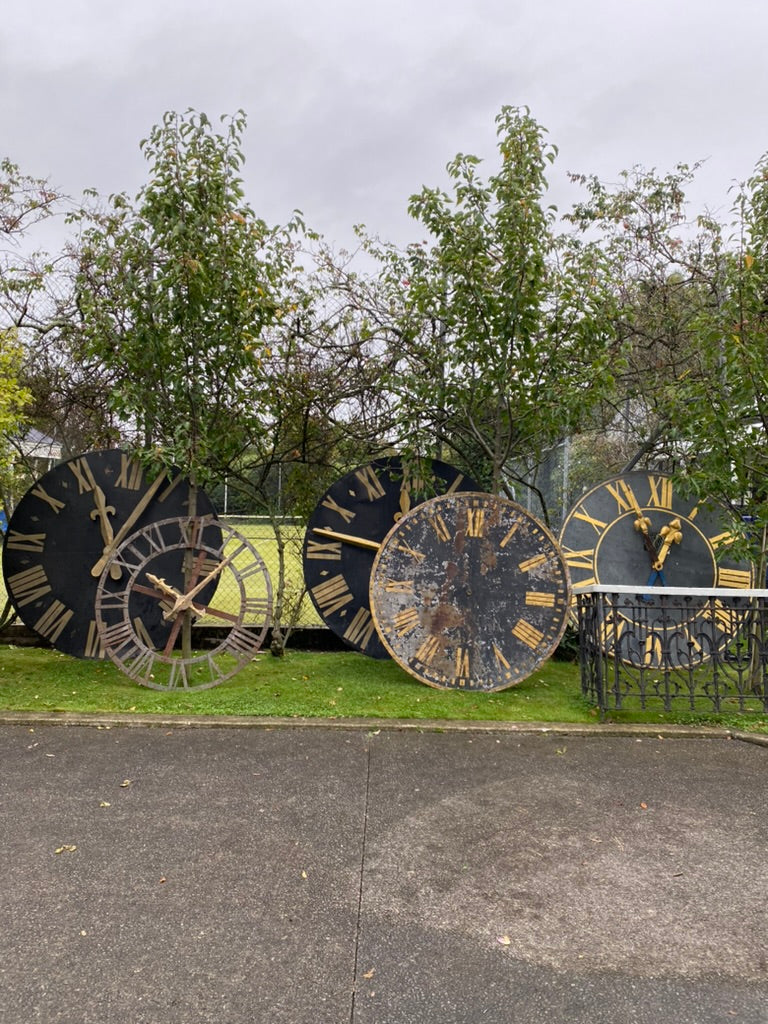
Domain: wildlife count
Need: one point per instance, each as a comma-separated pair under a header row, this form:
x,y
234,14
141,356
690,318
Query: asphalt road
x,y
172,875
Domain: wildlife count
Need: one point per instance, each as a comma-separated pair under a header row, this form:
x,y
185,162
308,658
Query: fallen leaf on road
x,y
66,848
504,940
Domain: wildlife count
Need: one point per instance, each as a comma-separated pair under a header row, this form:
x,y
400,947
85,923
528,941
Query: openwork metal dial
x,y
226,583
469,591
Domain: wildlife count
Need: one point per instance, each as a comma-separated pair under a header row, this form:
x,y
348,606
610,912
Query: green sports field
x,y
262,536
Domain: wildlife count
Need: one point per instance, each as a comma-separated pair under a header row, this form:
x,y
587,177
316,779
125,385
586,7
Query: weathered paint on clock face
x,y
470,591
637,529
344,534
59,535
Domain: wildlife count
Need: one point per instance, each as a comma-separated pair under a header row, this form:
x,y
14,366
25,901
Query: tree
x,y
666,271
721,409
176,291
503,342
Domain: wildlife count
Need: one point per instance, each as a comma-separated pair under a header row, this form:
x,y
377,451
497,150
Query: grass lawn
x,y
314,685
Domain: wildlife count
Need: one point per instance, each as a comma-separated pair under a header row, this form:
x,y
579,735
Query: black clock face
x,y
62,532
470,591
344,533
636,530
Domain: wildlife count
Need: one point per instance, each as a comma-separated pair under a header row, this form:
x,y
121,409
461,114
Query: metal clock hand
x,y
102,512
348,538
671,534
181,601
137,512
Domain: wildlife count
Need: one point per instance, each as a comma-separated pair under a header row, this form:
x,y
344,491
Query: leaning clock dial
x,y
65,529
469,591
344,533
189,571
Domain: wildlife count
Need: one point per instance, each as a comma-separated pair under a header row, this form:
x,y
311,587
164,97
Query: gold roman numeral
x,y
475,522
722,540
29,584
332,595
462,664
418,555
330,552
52,622
361,628
527,634
406,620
398,586
83,474
597,524
538,599
333,506
533,563
371,483
741,578
584,559
623,495
131,473
509,535
428,650
661,492
438,525
25,541
42,494
93,646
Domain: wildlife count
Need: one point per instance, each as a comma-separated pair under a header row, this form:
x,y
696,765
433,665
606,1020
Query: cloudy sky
x,y
352,106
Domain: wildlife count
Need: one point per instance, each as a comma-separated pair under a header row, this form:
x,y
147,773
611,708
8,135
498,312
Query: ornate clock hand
x,y
184,601
138,510
168,591
671,534
348,538
102,512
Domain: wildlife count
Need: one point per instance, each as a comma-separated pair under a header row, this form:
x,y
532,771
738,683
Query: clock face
x,y
637,530
54,550
344,534
469,591
221,580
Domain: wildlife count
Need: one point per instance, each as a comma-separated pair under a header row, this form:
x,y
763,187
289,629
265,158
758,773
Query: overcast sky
x,y
353,106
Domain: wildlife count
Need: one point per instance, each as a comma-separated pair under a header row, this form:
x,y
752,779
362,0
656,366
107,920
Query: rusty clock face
x,y
344,533
469,591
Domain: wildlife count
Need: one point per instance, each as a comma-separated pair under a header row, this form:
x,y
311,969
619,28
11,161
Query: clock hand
x,y
181,601
671,534
405,501
642,524
137,512
102,512
348,538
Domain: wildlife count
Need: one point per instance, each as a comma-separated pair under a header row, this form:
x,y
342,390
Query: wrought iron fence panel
x,y
673,649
